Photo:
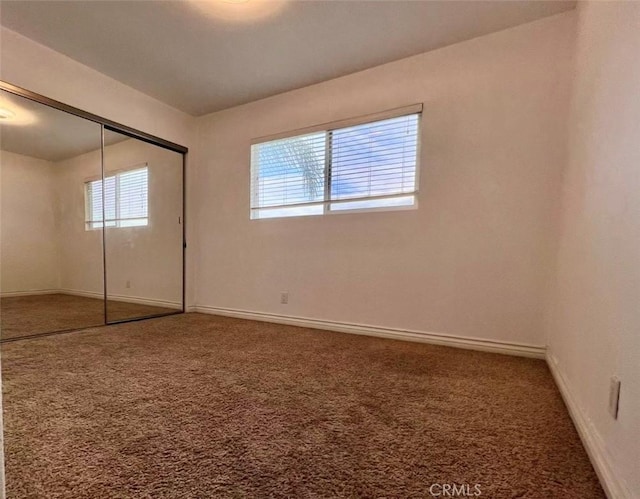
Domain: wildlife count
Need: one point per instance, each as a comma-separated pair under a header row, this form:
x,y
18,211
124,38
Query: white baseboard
x,y
31,292
78,292
614,487
147,301
383,332
129,299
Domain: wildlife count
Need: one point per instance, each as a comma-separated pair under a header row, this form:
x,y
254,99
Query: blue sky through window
x,y
369,160
375,159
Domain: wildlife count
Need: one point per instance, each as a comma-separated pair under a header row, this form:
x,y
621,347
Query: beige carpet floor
x,y
202,406
36,314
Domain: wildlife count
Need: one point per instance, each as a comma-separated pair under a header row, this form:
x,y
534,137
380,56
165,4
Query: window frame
x,y
327,202
91,225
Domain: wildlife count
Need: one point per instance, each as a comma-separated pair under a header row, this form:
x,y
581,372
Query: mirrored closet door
x,y
91,220
143,229
51,273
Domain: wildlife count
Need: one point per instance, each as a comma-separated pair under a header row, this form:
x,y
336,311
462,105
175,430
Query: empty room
x,y
320,248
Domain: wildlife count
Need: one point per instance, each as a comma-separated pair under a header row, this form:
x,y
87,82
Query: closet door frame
x,y
113,126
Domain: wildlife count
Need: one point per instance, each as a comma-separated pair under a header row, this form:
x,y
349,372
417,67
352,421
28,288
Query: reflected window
x,y
126,200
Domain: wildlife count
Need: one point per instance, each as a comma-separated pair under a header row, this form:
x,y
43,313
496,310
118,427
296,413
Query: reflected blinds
x,y
126,200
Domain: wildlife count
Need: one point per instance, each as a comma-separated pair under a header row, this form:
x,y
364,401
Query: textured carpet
x,y
35,314
202,406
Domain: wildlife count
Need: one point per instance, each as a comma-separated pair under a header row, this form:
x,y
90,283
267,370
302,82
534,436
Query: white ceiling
x,y
198,63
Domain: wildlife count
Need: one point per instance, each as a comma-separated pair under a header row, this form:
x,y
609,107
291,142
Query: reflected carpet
x,y
35,314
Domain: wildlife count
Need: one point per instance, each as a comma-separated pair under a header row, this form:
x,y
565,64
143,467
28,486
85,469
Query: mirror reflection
x,y
84,211
143,228
51,269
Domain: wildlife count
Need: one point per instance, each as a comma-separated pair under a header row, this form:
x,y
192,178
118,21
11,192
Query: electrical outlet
x,y
614,396
284,297
128,284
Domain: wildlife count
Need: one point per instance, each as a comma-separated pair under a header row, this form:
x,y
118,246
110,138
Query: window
x,y
364,166
126,197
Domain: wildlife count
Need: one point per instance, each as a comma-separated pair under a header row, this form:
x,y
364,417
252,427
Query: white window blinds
x,y
126,198
365,166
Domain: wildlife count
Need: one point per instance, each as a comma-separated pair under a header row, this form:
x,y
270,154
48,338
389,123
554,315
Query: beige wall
x,y
28,227
81,268
594,328
473,260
